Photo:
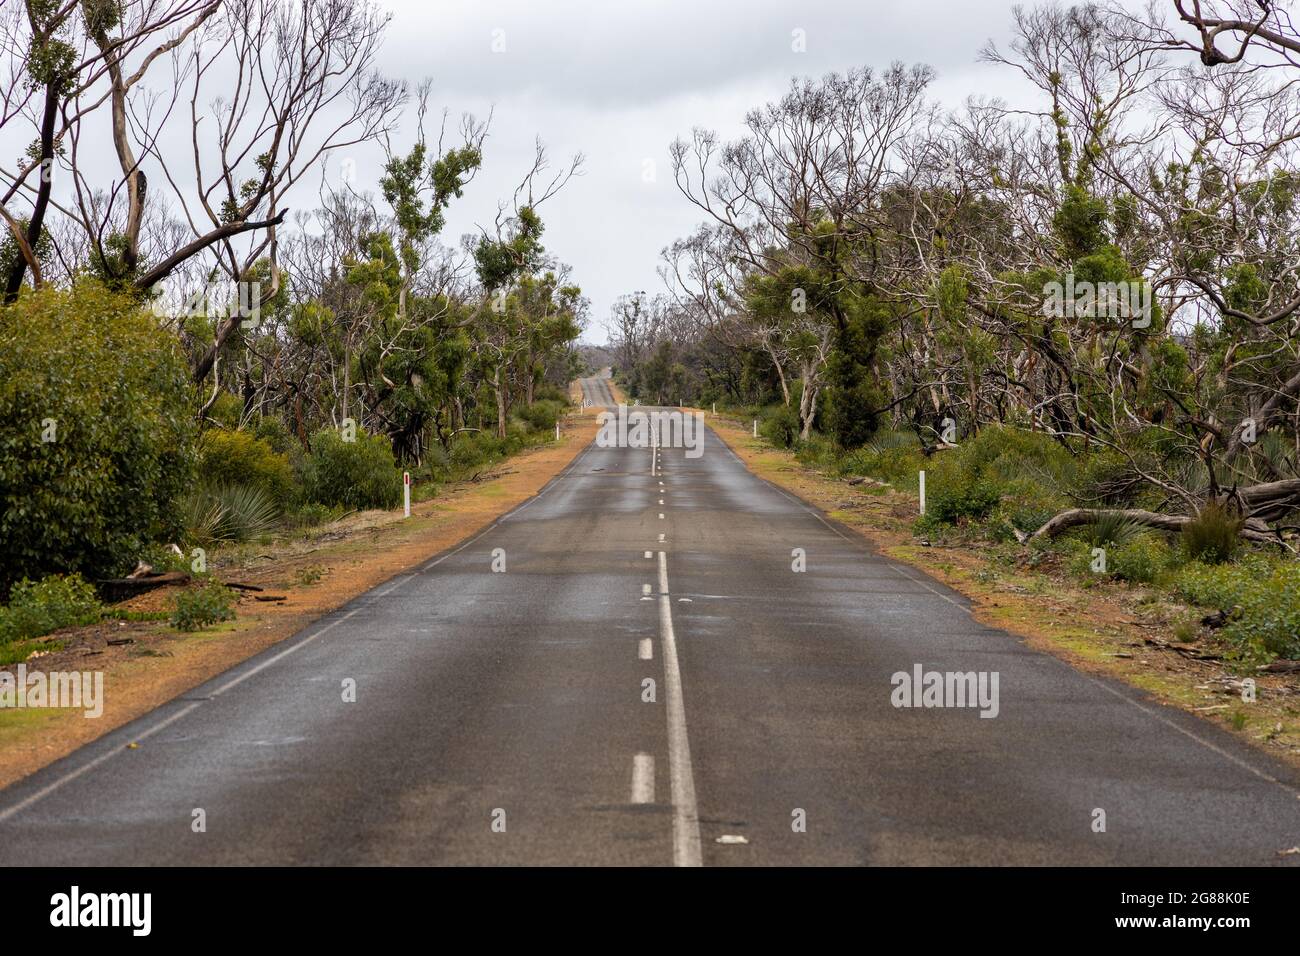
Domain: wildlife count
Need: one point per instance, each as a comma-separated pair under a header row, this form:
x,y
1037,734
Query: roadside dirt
x,y
1123,632
147,663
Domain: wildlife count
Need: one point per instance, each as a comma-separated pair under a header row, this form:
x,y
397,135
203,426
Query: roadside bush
x,y
968,483
472,449
952,502
276,434
542,415
551,393
97,433
1026,506
892,456
780,426
1141,559
197,608
1261,596
358,474
217,513
1213,536
314,513
955,493
1112,530
1105,478
39,607
1005,454
230,458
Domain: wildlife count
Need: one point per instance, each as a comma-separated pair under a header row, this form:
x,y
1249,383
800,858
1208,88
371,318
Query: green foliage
x,y
1112,529
498,261
37,608
1142,559
1213,536
201,607
239,458
312,513
854,390
542,415
213,514
474,449
950,502
780,426
1262,597
92,370
968,483
1080,222
1026,506
357,474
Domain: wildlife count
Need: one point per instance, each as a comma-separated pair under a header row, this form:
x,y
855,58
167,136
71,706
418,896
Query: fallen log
x,y
1077,517
1281,667
120,589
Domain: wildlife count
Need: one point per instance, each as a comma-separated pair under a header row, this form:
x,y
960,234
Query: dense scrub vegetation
x,y
1080,316
183,365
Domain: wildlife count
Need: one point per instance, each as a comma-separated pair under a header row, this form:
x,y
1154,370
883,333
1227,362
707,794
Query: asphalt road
x,y
504,717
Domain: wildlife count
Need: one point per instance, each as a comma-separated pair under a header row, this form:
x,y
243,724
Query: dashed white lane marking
x,y
645,589
648,554
645,649
643,778
686,815
661,516
661,537
661,501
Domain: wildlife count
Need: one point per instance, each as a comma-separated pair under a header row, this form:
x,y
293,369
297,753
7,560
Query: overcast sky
x,y
617,81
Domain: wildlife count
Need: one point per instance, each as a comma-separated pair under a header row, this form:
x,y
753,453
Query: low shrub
x,y
1261,596
237,458
780,426
1112,530
1213,536
201,607
952,501
1026,506
357,474
314,513
39,607
1140,560
542,415
214,514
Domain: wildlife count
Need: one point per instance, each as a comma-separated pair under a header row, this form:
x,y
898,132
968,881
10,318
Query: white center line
x,y
661,516
686,815
643,778
645,649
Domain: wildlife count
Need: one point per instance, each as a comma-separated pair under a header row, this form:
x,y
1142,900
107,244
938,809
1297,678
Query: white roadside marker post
x,y
406,492
923,492
557,431
755,427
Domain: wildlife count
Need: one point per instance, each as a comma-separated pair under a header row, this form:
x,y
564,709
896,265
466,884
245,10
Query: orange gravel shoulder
x,y
147,663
